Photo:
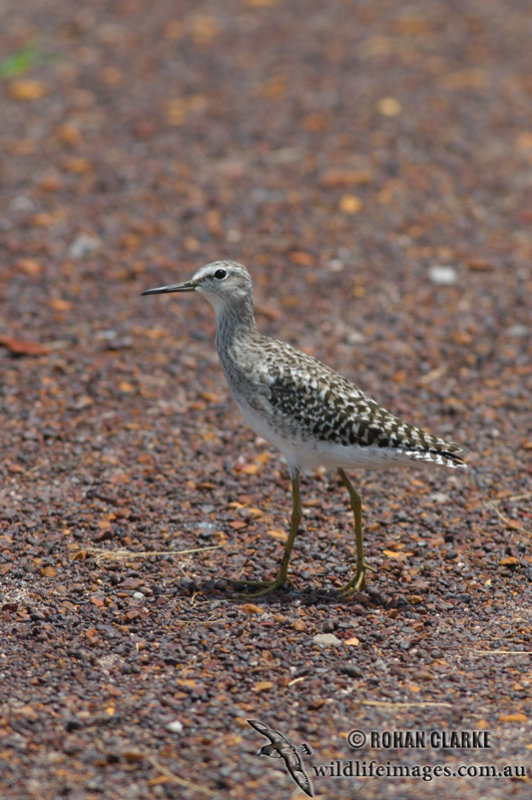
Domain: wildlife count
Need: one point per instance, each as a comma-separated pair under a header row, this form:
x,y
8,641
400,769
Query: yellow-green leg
x,y
358,583
265,587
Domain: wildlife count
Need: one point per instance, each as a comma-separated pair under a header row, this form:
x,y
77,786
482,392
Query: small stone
x,y
442,275
132,755
438,497
22,203
84,245
509,561
176,726
389,106
350,204
518,331
73,745
26,89
415,599
326,639
355,337
352,671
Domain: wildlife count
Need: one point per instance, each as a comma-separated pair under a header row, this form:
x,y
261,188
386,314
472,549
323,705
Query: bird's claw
x,y
358,583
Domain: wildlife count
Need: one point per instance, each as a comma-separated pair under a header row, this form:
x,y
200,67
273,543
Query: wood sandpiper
x,y
313,415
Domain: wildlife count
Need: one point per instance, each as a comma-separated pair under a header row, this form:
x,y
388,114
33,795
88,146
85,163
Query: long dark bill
x,y
187,286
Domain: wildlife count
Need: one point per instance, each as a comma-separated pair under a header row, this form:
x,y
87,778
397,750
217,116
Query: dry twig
x,y
180,781
103,556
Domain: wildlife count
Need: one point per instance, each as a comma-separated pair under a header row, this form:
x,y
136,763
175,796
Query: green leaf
x,y
20,62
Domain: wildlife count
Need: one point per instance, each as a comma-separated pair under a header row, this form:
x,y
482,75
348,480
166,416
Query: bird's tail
x,y
437,451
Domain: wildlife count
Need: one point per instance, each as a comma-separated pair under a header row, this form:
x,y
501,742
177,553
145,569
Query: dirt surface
x,y
342,151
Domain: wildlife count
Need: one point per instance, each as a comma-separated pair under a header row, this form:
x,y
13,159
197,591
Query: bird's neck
x,y
234,321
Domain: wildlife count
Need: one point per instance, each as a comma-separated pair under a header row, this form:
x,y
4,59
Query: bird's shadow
x,y
226,589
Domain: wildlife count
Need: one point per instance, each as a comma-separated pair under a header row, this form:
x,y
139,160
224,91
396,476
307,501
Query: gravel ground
x,y
343,151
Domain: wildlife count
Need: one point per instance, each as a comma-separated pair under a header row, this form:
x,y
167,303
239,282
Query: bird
x,y
281,747
311,413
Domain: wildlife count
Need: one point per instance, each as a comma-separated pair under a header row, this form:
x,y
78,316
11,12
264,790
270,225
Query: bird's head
x,y
268,750
222,283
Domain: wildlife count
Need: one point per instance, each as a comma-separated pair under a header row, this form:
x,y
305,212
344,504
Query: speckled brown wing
x,y
337,411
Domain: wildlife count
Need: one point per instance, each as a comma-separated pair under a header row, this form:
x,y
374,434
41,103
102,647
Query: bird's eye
x,y
220,274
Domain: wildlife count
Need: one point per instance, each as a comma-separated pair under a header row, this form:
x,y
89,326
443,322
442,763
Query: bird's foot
x,y
262,587
358,583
